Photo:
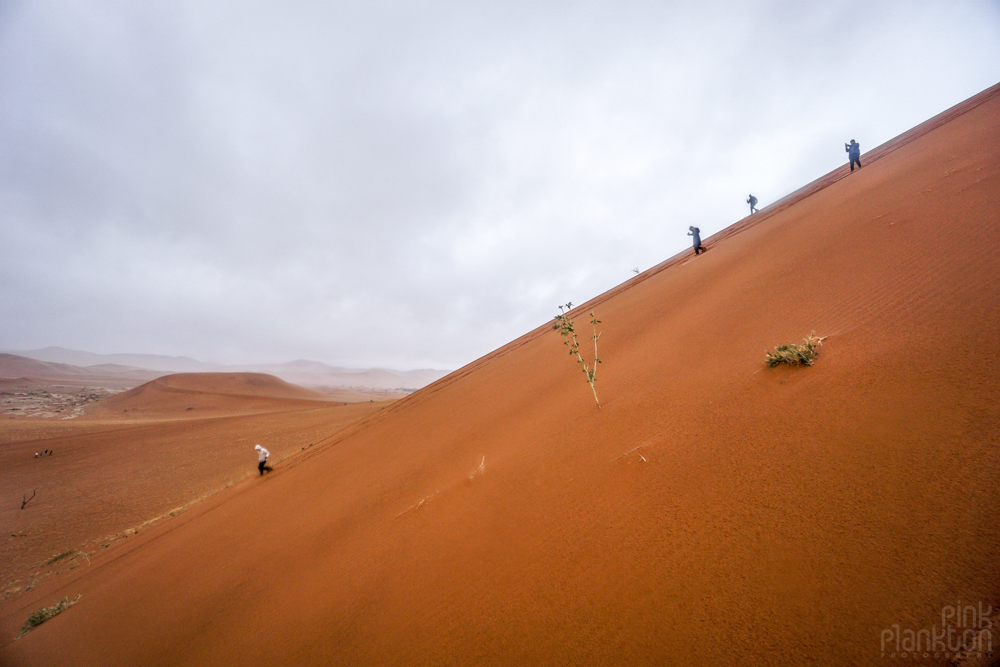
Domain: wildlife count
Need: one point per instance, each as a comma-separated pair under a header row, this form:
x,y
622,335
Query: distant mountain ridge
x,y
302,372
12,365
17,366
154,362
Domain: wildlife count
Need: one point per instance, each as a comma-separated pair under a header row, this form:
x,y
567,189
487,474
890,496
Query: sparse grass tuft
x,y
45,613
796,355
56,559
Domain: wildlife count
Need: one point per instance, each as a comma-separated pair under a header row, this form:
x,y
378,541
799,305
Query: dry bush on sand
x,y
796,355
45,613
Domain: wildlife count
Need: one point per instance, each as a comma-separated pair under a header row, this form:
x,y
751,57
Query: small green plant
x,y
796,355
45,613
56,559
564,325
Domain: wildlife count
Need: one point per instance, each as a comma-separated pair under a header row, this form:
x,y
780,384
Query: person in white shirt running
x,y
262,455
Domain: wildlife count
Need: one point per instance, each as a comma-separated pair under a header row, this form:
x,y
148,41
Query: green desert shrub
x,y
564,325
45,613
56,559
796,355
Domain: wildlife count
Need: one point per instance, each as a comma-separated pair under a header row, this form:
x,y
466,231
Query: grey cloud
x,y
412,184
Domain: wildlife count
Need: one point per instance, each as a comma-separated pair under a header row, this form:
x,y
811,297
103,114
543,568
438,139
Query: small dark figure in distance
x,y
853,153
262,455
753,204
696,233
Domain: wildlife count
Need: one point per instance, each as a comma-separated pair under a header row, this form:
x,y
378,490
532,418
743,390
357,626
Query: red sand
x,y
712,512
182,438
200,394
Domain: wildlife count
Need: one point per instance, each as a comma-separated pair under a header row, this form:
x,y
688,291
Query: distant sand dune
x,y
219,392
14,366
31,372
142,454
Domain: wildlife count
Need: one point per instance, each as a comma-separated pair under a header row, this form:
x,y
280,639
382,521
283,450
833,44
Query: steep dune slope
x,y
712,512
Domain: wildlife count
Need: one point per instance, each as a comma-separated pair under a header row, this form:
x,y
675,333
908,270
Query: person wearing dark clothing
x,y
696,233
854,153
753,204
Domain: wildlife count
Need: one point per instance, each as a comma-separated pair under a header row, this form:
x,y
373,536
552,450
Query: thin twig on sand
x,y
630,451
479,470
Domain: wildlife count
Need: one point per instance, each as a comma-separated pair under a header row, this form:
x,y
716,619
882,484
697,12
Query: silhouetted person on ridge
x,y
262,455
854,153
696,233
753,204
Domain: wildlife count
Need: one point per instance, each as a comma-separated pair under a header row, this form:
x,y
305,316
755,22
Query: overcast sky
x,y
413,184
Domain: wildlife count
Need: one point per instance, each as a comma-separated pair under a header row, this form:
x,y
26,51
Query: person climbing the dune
x,y
753,204
262,455
853,153
696,233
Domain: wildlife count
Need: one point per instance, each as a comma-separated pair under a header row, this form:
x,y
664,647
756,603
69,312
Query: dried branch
x,y
26,499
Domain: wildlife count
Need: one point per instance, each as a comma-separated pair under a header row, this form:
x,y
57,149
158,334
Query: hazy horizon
x,y
57,354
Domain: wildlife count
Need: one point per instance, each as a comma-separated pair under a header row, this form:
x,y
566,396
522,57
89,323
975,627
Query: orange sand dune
x,y
236,384
201,394
712,512
113,472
